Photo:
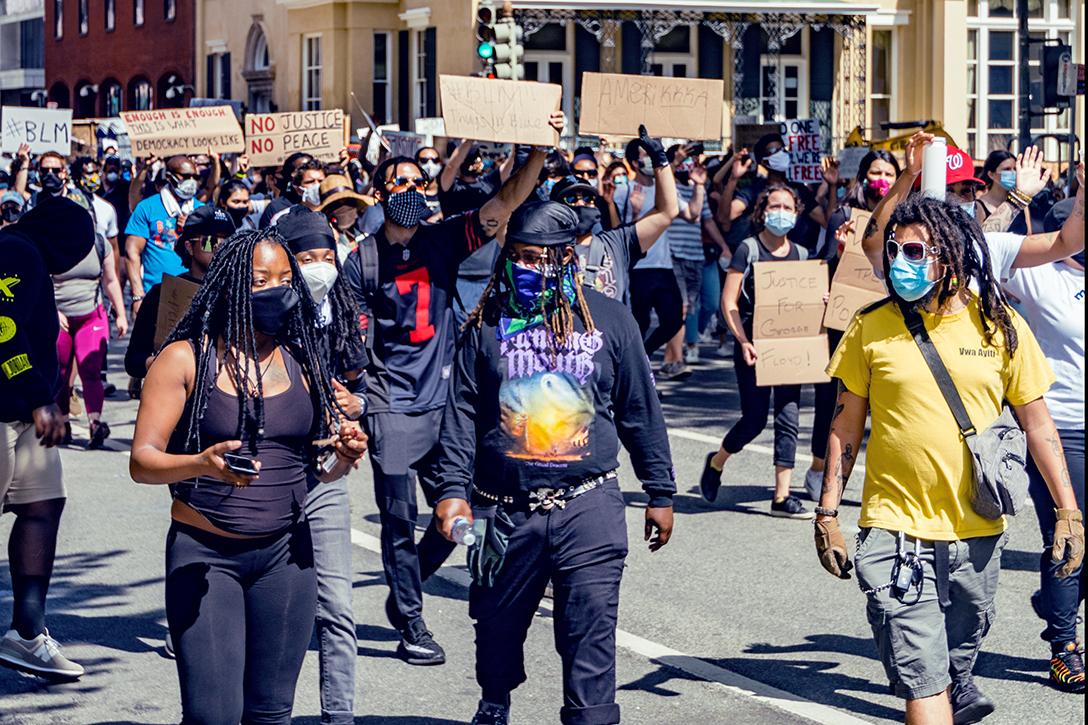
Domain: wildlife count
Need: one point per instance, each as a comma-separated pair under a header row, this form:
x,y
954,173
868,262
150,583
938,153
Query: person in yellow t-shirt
x,y
927,562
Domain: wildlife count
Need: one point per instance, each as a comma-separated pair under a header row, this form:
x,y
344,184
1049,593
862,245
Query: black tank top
x,y
274,500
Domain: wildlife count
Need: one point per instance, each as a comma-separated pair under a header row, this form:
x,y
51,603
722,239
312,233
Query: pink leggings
x,y
87,338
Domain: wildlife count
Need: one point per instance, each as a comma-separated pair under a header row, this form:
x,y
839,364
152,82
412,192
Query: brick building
x,y
107,56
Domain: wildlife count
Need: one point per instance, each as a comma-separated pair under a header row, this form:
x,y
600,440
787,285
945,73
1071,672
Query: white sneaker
x,y
39,656
725,350
814,484
691,353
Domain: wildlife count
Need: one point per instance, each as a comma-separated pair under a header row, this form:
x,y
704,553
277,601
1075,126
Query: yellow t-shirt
x,y
918,470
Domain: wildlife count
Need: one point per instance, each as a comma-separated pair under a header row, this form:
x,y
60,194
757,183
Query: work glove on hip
x,y
1068,541
653,146
831,548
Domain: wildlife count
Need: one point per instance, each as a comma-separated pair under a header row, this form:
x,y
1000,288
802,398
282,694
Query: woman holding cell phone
x,y
228,413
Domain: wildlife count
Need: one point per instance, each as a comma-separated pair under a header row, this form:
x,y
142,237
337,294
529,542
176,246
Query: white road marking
x,y
704,438
737,684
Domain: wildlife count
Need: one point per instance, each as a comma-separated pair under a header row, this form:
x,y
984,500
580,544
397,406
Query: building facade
x,y
107,56
22,52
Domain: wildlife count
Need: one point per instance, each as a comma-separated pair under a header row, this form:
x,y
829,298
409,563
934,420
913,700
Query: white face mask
x,y
187,189
311,194
646,166
320,277
431,168
779,161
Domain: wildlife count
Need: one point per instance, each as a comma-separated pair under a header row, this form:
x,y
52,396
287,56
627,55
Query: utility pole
x,y
1025,75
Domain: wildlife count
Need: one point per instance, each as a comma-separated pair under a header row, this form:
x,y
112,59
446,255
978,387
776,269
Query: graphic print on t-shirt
x,y
545,407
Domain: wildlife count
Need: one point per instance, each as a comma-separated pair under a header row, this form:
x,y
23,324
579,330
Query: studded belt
x,y
547,498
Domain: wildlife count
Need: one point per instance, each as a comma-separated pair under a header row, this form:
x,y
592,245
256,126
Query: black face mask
x,y
11,214
588,217
51,183
238,215
272,308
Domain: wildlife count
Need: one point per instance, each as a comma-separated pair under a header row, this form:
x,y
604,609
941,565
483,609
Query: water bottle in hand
x,y
463,532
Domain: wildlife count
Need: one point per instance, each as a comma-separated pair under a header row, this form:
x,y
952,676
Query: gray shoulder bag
x,y
999,453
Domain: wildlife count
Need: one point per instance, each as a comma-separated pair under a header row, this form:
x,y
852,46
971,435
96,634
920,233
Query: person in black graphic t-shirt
x,y
409,303
550,379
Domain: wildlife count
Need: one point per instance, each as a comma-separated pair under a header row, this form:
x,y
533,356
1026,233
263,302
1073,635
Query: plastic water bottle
x,y
463,533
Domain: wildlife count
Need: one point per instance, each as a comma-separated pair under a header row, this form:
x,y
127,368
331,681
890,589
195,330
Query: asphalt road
x,y
733,622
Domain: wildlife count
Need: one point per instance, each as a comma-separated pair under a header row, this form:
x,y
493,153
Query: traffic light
x,y
509,50
1044,78
485,30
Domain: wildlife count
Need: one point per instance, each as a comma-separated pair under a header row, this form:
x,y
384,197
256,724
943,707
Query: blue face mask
x,y
910,280
968,208
779,222
528,285
1008,180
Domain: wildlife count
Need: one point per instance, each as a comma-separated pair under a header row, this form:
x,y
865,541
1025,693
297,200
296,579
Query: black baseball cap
x,y
207,220
568,184
543,223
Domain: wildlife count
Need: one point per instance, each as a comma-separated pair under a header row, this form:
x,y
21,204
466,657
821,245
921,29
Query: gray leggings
x,y
241,613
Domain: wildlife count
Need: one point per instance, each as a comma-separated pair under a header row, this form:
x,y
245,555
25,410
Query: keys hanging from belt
x,y
544,499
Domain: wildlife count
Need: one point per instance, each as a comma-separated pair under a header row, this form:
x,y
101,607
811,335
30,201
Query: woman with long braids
x,y
550,379
927,561
228,413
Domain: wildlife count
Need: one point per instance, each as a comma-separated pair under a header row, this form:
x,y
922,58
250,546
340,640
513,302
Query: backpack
x,y
594,260
752,252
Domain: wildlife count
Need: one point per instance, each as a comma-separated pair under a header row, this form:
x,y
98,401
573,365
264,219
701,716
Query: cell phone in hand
x,y
240,464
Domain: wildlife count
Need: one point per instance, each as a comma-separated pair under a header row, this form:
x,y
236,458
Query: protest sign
x,y
272,137
486,109
745,135
792,360
684,108
430,127
803,140
42,128
174,131
789,307
402,143
855,284
176,295
850,160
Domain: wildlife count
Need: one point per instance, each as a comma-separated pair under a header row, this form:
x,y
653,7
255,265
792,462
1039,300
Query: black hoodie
x,y
49,239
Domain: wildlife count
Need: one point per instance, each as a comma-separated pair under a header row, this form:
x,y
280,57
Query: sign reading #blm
x,y
43,129
486,109
787,328
174,131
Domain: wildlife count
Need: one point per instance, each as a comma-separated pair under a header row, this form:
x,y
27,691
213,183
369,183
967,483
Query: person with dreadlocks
x,y
926,559
310,238
550,378
406,285
229,413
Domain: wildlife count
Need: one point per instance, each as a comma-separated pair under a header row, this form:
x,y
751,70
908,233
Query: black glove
x,y
653,147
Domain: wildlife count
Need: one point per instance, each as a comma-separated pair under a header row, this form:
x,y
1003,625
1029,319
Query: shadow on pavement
x,y
384,720
1012,560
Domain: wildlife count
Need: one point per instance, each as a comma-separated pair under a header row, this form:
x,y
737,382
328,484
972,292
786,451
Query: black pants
x,y
402,446
240,613
827,394
755,403
581,550
1061,598
656,289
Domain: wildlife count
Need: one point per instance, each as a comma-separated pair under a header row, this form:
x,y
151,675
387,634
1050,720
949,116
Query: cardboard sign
x,y
272,137
685,108
174,131
803,140
42,128
486,109
430,126
745,135
855,284
792,361
789,307
176,295
850,161
402,143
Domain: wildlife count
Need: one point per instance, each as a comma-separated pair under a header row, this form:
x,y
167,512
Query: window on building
x,y
111,15
420,92
32,43
880,89
673,54
783,81
218,78
138,13
111,98
993,55
382,89
548,60
311,73
170,10
58,19
142,94
84,18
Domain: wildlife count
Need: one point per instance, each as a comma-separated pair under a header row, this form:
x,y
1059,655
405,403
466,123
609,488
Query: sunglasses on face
x,y
576,196
400,183
586,174
428,159
184,177
208,243
913,251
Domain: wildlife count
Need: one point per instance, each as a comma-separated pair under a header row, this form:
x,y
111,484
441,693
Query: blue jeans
x,y
329,514
710,296
1060,597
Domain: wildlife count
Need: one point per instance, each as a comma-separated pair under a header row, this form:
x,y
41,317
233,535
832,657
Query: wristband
x,y
137,298
821,511
1019,198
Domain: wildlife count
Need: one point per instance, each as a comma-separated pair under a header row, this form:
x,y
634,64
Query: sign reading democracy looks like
x,y
174,131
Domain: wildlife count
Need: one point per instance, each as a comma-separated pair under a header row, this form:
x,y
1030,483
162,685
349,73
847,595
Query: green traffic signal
x,y
485,50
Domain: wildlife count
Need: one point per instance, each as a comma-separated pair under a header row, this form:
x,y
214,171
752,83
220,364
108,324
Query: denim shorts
x,y
923,647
